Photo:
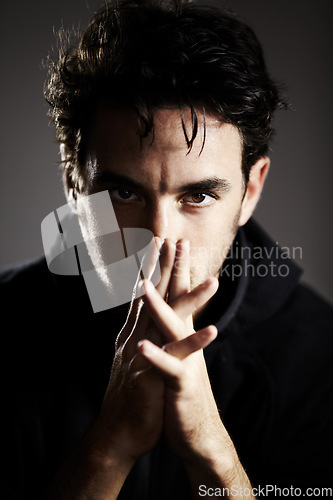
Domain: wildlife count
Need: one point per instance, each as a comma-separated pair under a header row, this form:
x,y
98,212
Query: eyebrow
x,y
207,184
107,177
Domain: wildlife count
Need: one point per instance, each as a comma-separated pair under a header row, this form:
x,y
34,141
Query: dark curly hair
x,y
146,54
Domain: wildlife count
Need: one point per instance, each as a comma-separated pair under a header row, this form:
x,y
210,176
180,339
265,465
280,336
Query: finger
x,y
139,323
166,320
189,303
170,320
167,258
138,362
170,367
138,320
192,343
147,267
180,280
130,322
151,257
167,253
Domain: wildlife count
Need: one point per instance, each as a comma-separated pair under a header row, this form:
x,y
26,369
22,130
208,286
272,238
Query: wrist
x,y
110,461
218,463
90,472
107,452
218,467
212,446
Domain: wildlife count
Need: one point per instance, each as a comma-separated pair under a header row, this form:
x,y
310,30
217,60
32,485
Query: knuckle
x,y
176,377
170,348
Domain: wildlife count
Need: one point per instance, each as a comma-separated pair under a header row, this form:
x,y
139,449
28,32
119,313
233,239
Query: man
x,y
168,108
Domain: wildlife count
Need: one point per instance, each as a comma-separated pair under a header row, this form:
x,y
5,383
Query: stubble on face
x,y
212,258
161,165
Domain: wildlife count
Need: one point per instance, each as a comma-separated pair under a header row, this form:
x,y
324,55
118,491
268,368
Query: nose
x,y
163,220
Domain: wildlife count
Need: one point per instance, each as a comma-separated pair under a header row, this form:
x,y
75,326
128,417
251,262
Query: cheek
x,y
211,253
212,241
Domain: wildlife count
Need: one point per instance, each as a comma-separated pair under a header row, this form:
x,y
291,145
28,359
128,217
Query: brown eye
x,y
198,197
199,200
124,194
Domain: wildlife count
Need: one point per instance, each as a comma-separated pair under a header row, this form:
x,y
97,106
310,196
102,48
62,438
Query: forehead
x,y
116,140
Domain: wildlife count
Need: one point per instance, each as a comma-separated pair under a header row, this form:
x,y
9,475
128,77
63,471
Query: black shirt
x,y
270,369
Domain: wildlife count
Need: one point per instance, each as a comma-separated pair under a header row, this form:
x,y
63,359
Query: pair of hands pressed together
x,y
158,384
154,379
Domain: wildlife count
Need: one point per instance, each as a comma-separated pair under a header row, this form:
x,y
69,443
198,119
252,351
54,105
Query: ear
x,y
254,188
66,179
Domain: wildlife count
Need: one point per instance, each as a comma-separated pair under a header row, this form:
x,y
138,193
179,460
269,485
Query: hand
x,y
132,415
192,425
158,381
131,419
191,418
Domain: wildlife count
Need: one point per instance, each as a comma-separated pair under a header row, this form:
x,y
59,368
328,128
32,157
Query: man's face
x,y
155,183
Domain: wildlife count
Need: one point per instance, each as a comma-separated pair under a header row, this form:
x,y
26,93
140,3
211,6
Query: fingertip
x,y
213,284
139,344
210,332
214,331
171,243
168,249
214,280
183,244
147,286
146,348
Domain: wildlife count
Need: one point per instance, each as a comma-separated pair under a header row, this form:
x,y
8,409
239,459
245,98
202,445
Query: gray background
x,y
296,206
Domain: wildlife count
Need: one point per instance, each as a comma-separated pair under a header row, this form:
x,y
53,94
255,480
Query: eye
x,y
199,199
122,194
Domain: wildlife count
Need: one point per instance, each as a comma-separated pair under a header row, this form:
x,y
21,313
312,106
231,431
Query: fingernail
x,y
183,245
209,282
148,348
